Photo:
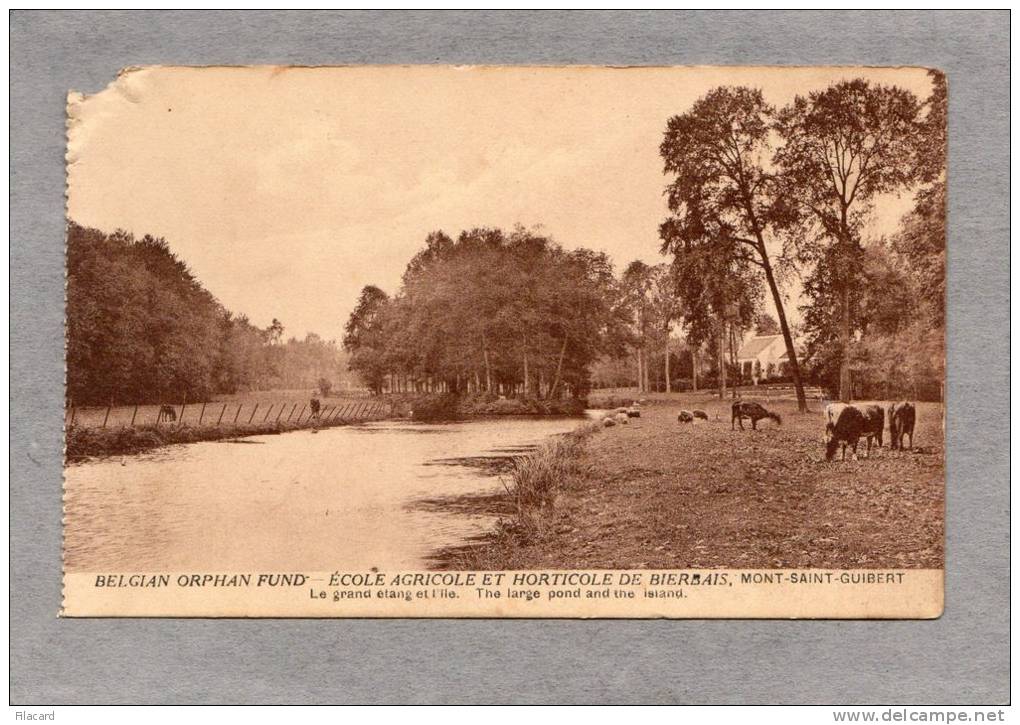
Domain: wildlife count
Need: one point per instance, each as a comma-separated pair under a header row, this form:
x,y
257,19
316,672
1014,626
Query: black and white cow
x,y
847,424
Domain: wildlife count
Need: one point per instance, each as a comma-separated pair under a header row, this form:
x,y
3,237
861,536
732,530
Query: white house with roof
x,y
763,356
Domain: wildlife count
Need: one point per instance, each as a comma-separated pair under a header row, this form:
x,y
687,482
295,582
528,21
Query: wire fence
x,y
779,392
288,412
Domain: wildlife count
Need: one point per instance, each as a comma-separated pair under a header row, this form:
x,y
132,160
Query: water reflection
x,y
341,498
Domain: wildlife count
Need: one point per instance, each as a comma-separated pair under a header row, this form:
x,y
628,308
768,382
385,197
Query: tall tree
x,y
841,148
715,288
638,285
365,336
723,193
665,312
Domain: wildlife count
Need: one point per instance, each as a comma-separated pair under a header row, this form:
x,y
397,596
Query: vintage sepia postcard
x,y
437,341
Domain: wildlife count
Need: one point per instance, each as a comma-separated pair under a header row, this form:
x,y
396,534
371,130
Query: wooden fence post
x,y
252,416
221,414
266,416
292,409
201,413
183,406
237,413
133,416
282,407
305,405
106,417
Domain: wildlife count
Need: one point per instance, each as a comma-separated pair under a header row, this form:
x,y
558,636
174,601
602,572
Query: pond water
x,y
342,498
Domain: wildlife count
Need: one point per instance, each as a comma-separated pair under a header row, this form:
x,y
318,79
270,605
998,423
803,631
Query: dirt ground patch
x,y
662,494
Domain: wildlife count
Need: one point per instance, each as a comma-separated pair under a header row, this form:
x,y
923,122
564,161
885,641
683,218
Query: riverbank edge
x,y
535,481
82,443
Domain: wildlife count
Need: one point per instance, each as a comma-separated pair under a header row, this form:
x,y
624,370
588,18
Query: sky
x,y
286,190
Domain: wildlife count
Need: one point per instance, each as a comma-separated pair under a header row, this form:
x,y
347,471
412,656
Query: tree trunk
x,y
784,327
559,369
694,370
666,364
525,373
845,393
731,339
488,370
722,361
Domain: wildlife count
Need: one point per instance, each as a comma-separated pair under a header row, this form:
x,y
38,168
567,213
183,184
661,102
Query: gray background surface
x,y
960,658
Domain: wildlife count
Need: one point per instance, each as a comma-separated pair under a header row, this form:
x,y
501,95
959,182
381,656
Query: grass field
x,y
656,493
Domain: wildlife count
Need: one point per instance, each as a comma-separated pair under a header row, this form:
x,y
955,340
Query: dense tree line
x,y
141,328
495,312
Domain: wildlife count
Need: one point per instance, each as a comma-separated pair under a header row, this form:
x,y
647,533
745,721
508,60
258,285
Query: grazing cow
x,y
902,417
315,406
752,411
166,413
874,415
685,416
846,424
634,412
608,421
701,414
622,418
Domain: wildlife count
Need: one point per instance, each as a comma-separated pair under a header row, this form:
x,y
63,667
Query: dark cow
x,y
847,424
315,407
875,417
754,412
701,414
685,417
166,413
902,417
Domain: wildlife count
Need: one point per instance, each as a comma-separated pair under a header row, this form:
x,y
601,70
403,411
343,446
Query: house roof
x,y
756,345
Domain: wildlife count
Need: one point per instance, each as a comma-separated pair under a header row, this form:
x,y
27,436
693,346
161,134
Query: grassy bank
x,y
657,493
85,442
532,486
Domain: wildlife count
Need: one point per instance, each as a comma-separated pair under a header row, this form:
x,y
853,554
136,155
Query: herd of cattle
x,y
845,423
